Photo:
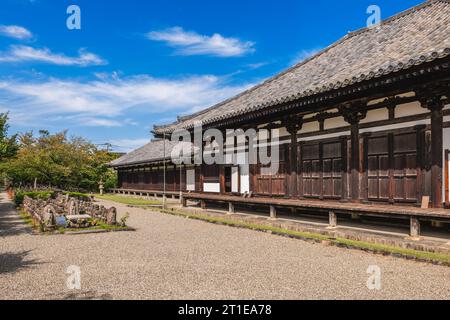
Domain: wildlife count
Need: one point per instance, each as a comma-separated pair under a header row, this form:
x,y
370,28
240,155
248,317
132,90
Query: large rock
x,y
111,216
48,216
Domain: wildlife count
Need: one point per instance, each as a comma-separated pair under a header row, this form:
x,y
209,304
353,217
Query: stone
x,y
48,216
111,216
73,208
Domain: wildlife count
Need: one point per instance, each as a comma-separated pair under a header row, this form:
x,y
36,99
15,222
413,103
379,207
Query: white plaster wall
x,y
245,178
211,187
337,122
310,127
406,94
190,180
447,107
372,102
282,132
409,109
376,115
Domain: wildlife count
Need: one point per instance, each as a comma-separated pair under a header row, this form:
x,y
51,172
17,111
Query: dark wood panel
x,y
322,169
394,167
274,184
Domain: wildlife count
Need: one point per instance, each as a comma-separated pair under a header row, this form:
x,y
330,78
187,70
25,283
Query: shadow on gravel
x,y
14,262
10,222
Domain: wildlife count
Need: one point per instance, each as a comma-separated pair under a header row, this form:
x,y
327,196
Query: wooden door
x,y
406,170
272,184
393,168
322,169
378,179
332,170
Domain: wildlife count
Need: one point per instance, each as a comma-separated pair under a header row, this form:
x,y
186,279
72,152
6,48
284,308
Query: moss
x,y
78,195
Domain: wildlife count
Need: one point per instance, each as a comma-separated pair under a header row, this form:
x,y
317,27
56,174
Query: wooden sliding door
x,y
322,171
271,184
393,163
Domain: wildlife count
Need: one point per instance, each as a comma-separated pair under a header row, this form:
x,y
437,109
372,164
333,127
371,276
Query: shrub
x,y
20,195
78,195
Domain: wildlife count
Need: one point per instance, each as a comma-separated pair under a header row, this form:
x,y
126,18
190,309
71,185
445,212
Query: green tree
x,y
8,145
56,161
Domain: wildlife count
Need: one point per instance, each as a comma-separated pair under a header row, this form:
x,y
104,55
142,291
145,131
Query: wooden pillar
x,y
353,113
414,228
430,98
293,125
183,202
437,120
222,178
202,178
354,162
293,164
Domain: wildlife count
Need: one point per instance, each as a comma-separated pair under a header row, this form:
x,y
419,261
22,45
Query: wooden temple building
x,y
364,124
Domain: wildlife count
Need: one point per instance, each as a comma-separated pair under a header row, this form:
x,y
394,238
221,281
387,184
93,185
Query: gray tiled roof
x,y
418,35
151,152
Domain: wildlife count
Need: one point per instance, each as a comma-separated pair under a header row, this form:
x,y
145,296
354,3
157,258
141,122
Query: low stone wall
x,y
77,213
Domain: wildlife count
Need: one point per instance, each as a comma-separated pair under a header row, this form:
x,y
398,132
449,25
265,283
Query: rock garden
x,y
58,212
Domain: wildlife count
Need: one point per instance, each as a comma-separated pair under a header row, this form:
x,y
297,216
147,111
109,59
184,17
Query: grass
x,y
128,200
103,227
341,242
27,219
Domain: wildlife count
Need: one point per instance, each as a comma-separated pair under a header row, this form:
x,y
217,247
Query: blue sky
x,y
138,63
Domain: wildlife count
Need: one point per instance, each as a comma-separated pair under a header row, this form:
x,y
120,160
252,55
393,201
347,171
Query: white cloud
x,y
109,102
305,54
20,53
191,43
16,32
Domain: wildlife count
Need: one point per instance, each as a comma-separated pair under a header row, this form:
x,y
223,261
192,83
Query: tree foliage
x,y
8,145
56,161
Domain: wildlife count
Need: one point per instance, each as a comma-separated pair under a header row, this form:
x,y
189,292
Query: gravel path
x,y
175,258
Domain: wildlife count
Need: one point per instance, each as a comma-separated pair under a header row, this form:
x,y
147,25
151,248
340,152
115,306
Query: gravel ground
x,y
170,257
